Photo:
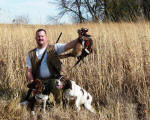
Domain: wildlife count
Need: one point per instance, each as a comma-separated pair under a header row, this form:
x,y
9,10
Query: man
x,y
43,62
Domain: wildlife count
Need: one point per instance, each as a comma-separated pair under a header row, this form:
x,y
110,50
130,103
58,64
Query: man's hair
x,y
39,30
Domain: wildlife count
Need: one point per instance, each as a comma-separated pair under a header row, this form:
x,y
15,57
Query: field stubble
x,y
117,73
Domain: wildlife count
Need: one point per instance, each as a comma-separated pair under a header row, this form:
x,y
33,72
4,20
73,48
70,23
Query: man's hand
x,y
29,75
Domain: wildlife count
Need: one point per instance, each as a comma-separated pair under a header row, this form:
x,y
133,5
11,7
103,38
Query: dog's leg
x,y
77,103
32,105
44,106
64,103
25,102
32,113
28,94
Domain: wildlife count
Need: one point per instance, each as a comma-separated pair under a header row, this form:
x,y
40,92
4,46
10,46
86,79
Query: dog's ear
x,y
38,81
35,84
38,86
67,84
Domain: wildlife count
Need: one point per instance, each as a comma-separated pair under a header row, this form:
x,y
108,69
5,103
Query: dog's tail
x,y
94,110
91,108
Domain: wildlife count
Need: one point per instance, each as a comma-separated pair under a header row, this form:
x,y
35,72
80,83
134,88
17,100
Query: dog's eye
x,y
61,80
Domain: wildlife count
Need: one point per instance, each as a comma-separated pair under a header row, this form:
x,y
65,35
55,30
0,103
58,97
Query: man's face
x,y
41,39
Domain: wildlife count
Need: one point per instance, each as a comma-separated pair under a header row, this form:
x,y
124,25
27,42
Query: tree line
x,y
98,10
104,10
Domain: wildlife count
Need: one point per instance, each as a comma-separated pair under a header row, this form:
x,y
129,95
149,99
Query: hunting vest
x,y
53,62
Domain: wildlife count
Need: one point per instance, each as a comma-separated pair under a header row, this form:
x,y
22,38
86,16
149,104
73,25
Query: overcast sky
x,y
36,10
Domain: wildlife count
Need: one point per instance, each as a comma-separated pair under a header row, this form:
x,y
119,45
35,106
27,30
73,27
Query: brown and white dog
x,y
38,88
73,91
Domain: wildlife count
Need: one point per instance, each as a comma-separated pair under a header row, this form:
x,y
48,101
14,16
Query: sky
x,y
36,10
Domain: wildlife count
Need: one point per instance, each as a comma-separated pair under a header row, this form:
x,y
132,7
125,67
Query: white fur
x,y
24,103
42,98
82,99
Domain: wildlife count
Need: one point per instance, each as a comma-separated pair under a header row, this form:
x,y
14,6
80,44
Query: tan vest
x,y
53,62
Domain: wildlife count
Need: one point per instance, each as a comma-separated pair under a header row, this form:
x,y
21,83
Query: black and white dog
x,y
73,91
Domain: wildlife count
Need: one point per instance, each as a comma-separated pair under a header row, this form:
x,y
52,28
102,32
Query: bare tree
x,y
104,10
81,10
74,8
96,9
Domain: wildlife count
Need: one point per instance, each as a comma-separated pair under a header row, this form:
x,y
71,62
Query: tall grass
x,y
117,73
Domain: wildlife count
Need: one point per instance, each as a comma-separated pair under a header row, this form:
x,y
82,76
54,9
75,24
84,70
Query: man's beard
x,y
39,44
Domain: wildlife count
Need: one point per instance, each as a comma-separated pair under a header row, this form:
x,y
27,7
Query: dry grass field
x,y
117,73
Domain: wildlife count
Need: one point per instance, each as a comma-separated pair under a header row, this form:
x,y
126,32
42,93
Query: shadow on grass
x,y
6,93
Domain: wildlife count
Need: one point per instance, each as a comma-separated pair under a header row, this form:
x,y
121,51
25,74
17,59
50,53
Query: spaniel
x,y
39,97
72,91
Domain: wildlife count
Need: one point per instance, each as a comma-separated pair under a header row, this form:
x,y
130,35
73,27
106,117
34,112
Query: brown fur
x,y
37,88
67,83
37,85
87,97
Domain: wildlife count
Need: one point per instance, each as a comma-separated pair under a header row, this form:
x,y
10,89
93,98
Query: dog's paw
x,y
24,103
32,113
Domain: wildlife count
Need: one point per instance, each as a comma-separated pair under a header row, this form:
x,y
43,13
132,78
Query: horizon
x,y
36,11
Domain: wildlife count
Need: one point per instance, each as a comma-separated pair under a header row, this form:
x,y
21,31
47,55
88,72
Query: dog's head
x,y
36,85
63,83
